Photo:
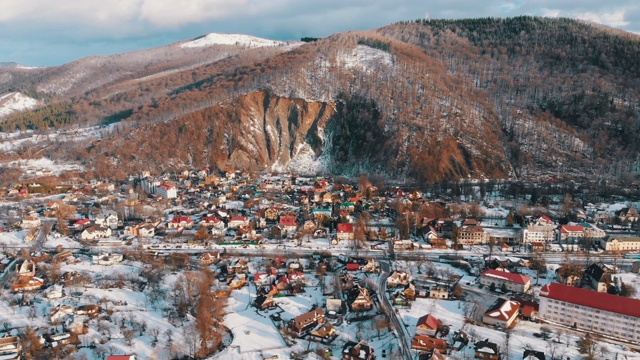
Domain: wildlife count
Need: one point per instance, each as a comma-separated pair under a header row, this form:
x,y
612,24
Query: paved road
x,y
403,337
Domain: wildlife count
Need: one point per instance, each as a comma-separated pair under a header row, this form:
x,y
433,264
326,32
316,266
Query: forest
x,y
516,98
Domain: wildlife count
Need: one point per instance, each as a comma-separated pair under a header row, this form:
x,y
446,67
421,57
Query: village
x,y
238,265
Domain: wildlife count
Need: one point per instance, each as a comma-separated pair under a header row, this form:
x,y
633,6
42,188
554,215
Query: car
x,y
384,353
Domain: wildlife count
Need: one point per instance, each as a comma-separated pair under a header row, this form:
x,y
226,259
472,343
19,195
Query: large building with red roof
x,y
592,311
512,281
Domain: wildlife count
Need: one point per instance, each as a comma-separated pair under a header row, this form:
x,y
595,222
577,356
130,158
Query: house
x,y
438,292
144,230
26,268
107,259
287,224
598,277
55,292
512,281
427,343
621,243
27,283
570,233
591,311
108,218
568,274
533,355
9,346
95,232
345,232
402,244
264,302
30,222
81,224
502,313
357,351
543,233
237,281
211,222
629,215
324,331
318,213
167,191
90,309
183,222
398,278
487,350
60,312
238,221
427,325
271,213
309,226
471,235
210,257
305,322
361,300
528,308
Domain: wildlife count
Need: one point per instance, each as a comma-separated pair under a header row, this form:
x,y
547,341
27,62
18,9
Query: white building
x,y
95,232
538,233
167,191
621,243
108,218
591,311
512,281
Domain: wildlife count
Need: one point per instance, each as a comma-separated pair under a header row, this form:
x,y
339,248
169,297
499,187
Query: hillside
x,y
500,98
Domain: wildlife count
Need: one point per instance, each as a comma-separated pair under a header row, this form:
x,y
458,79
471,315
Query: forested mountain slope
x,y
522,97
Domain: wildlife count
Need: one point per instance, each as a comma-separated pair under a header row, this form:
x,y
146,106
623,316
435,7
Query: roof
x,y
345,228
571,228
179,219
426,342
428,320
507,276
287,221
593,299
121,357
502,309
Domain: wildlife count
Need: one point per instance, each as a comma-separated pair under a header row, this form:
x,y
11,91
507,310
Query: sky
x,y
47,33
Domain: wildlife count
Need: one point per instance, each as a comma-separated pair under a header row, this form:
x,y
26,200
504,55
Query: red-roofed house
x,y
345,232
591,311
167,191
570,232
502,312
513,281
287,224
211,221
238,221
184,222
427,325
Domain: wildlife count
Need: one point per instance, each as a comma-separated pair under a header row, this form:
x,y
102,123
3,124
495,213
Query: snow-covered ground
x,y
231,39
15,102
44,166
365,57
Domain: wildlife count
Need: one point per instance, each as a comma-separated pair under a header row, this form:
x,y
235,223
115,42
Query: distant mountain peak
x,y
230,39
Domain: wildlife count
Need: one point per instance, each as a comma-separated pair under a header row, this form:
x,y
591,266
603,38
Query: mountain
x,y
522,98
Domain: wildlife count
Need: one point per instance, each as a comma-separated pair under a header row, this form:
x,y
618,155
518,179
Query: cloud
x,y
64,30
615,18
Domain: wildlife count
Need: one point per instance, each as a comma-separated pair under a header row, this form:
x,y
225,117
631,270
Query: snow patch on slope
x,y
14,102
231,39
43,167
364,57
305,161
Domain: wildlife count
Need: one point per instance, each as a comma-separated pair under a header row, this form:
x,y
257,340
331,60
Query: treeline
x,y
49,116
